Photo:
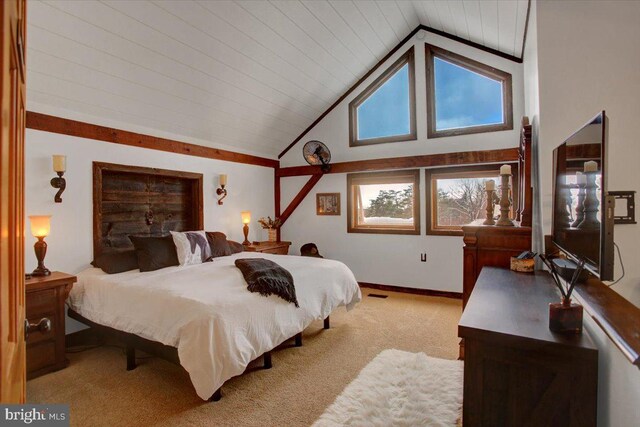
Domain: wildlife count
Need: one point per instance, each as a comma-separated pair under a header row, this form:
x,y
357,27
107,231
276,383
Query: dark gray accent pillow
x,y
117,262
154,253
218,243
236,247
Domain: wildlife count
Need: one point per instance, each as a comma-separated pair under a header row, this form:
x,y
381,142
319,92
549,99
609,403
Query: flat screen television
x,y
582,211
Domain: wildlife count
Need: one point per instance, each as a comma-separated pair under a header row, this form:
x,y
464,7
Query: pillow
x,y
154,253
236,247
218,244
117,262
192,247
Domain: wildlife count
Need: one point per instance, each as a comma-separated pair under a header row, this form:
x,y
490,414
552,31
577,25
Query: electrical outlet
x,y
423,257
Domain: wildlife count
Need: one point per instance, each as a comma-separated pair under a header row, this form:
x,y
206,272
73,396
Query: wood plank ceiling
x,y
245,75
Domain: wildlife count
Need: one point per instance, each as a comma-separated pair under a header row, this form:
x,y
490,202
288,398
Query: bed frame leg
x,y
217,395
299,339
131,357
267,360
327,323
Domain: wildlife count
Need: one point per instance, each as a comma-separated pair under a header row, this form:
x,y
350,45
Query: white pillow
x,y
192,247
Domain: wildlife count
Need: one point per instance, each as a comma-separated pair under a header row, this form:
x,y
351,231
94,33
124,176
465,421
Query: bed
x,y
200,316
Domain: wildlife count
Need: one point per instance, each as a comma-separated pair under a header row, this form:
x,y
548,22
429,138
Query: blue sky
x,y
386,112
465,98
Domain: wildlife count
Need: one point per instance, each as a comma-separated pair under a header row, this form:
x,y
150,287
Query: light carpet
x,y
400,389
303,382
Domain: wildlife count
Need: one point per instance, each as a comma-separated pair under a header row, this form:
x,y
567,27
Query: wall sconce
x,y
40,228
59,167
222,191
246,219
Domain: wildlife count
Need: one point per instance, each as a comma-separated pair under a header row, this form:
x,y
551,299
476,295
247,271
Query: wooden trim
x,y
415,291
432,52
351,89
526,30
386,57
299,197
429,174
53,124
506,155
408,58
363,178
276,200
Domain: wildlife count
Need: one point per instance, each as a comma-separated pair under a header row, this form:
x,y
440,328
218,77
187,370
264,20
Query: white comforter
x,y
207,312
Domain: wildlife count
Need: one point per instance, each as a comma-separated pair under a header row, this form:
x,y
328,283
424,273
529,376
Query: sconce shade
x,y
246,217
223,180
59,163
40,225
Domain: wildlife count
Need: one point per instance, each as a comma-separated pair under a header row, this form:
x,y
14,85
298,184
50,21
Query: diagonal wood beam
x,y
300,197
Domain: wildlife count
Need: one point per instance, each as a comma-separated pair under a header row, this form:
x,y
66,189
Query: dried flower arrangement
x,y
269,224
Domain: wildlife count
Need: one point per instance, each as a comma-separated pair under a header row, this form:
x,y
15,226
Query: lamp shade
x,y
40,225
59,163
246,217
223,180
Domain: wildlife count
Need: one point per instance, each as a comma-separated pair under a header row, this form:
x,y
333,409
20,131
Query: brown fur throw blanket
x,y
267,278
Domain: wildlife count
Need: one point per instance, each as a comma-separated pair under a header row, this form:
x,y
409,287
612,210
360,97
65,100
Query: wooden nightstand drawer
x,y
45,299
284,250
39,356
279,248
41,302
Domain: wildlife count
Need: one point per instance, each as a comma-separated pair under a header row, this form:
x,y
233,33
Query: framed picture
x,y
327,203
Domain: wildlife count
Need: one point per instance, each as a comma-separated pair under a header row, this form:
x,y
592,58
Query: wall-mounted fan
x,y
317,154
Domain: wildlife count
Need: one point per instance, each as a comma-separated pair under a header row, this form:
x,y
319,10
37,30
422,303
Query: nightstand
x,y
45,298
280,248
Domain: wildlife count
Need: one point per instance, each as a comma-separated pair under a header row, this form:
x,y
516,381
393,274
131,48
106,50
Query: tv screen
x,y
580,198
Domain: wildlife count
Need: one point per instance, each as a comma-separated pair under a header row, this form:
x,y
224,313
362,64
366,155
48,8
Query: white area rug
x,y
398,388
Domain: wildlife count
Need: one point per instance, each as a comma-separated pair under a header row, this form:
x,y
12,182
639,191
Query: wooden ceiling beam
x,y
429,160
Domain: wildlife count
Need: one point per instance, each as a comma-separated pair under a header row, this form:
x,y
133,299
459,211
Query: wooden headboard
x,y
131,200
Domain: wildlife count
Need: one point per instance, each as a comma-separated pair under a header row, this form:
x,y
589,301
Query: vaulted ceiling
x,y
249,75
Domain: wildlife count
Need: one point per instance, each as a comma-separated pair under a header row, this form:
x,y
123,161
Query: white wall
x,y
582,57
391,259
71,239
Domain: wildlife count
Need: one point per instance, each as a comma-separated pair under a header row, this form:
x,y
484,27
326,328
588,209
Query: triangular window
x,y
385,110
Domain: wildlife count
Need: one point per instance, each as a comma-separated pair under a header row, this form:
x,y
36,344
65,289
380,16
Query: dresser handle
x,y
44,325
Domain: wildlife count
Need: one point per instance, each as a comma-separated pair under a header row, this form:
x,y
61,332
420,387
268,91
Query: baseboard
x,y
415,291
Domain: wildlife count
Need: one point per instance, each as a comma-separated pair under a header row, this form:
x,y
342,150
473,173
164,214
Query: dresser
x,y
45,300
516,371
279,248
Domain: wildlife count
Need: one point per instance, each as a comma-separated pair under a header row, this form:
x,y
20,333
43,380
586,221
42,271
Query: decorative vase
x,y
273,235
565,317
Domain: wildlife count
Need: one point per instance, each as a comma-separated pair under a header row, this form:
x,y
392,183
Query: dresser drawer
x,y
40,356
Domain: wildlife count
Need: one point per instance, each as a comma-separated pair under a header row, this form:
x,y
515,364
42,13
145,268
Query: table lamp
x,y
246,219
40,227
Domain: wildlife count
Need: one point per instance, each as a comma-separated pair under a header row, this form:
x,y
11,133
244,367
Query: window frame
x,y
431,175
407,58
432,52
364,178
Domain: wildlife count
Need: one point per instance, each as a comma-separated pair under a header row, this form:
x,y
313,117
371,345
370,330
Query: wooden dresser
x,y
516,371
489,245
280,248
45,299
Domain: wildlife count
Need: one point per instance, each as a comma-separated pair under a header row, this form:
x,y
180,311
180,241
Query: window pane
x,y
386,112
385,205
462,200
465,98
